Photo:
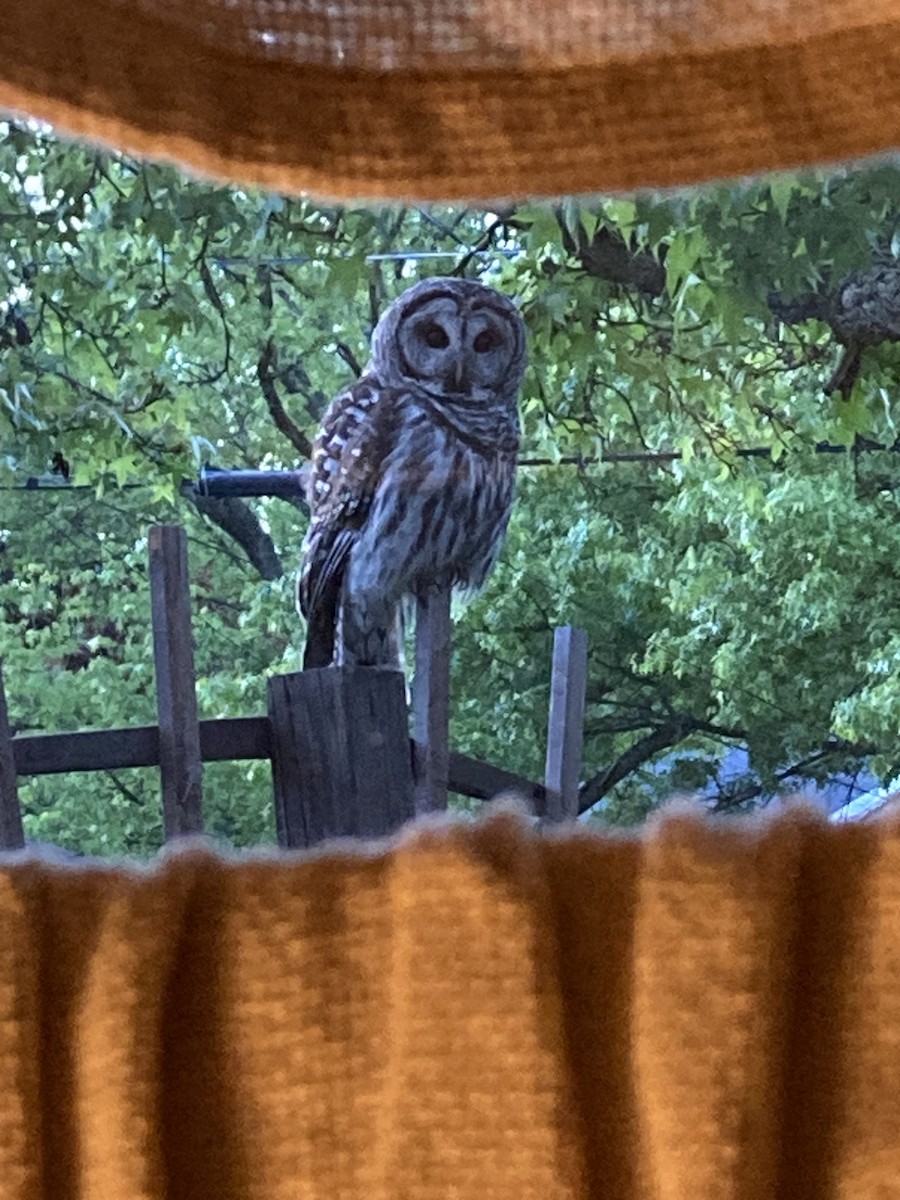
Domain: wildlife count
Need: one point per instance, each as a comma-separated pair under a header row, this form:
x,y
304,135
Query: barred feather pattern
x,y
413,471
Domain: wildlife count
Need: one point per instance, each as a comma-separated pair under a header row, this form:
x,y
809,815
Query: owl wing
x,y
348,460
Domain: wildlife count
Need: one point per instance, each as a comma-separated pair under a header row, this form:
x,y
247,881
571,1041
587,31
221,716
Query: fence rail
x,y
227,739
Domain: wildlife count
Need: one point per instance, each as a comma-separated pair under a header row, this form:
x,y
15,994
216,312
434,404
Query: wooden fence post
x,y
12,836
341,761
565,728
180,763
431,700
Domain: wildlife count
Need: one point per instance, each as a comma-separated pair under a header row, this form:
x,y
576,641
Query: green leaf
x,y
686,248
781,189
852,417
346,274
543,228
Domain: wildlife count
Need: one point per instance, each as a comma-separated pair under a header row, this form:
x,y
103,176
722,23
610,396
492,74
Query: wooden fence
x,y
338,740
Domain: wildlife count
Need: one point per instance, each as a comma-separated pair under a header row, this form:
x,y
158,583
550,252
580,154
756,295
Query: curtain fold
x,y
462,99
473,1011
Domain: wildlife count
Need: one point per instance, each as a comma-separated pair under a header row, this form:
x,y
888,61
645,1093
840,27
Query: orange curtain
x,y
707,1010
444,99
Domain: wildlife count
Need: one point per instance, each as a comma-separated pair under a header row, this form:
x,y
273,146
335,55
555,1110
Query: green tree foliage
x,y
150,323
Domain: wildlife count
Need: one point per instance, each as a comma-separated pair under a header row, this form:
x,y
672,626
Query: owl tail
x,y
321,627
319,649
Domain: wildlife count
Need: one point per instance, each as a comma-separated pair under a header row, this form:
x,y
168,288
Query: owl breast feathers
x,y
413,469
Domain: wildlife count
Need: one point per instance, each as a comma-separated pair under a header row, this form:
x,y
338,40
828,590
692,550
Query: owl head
x,y
453,337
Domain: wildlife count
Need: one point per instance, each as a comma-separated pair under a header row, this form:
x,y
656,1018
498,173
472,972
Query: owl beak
x,y
457,377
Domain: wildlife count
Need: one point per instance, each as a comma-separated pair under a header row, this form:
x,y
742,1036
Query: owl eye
x,y
434,336
488,339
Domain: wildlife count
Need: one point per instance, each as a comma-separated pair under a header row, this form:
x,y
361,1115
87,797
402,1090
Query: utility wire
x,y
216,481
300,260
663,457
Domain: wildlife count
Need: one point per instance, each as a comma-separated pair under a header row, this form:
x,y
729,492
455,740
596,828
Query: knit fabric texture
x,y
708,1010
444,99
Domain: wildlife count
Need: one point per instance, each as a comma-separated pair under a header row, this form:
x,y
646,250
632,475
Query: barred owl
x,y
413,468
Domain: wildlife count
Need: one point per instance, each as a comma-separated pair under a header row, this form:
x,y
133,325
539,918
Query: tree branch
x,y
863,310
484,243
123,789
807,307
728,732
346,355
215,300
277,411
238,520
607,256
740,795
668,734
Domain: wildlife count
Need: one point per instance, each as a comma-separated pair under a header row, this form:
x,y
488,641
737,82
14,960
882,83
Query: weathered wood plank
x,y
224,739
229,739
86,750
181,766
431,700
12,835
565,728
341,762
484,781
